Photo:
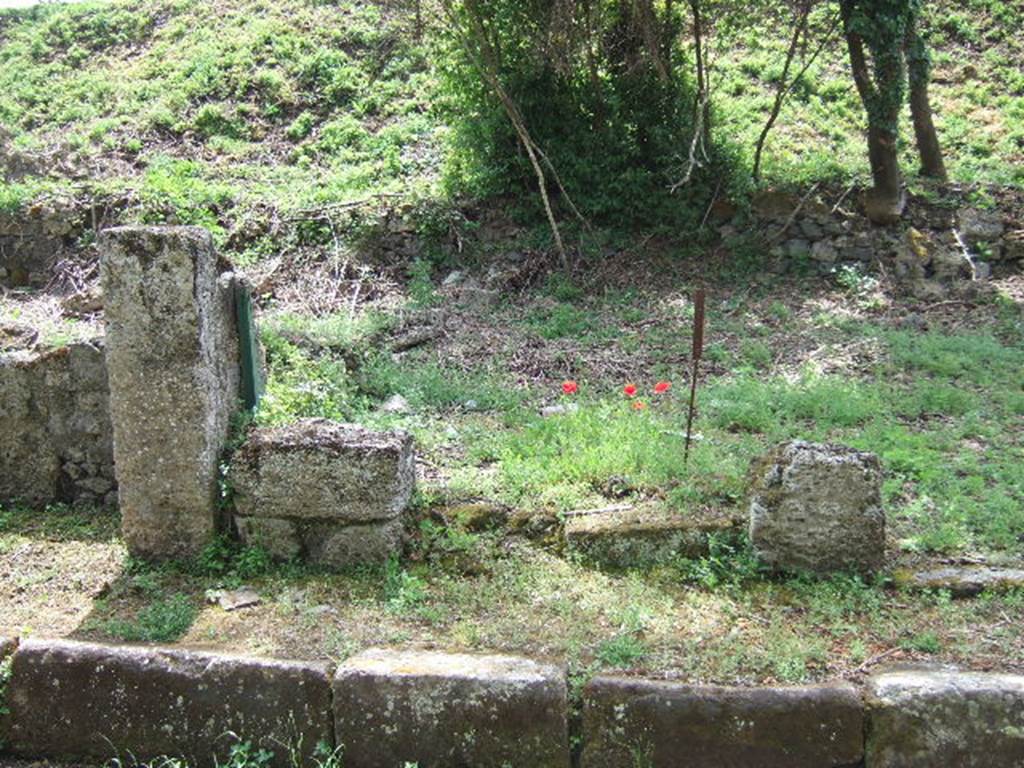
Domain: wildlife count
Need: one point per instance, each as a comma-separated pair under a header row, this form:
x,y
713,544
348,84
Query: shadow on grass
x,y
59,522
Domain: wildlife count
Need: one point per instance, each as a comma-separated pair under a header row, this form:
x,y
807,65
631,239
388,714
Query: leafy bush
x,y
614,125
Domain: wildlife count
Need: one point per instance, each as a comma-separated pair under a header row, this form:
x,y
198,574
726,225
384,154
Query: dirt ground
x,y
66,574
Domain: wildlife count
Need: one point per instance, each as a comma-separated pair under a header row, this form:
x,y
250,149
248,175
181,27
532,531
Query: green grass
x,y
433,385
218,110
977,99
164,620
943,412
570,459
59,522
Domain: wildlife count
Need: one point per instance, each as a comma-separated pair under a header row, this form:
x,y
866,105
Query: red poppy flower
x,y
662,386
570,387
629,390
639,405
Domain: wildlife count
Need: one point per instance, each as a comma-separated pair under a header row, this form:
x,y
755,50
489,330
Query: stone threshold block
x,y
630,722
450,709
332,494
966,581
922,718
646,535
80,700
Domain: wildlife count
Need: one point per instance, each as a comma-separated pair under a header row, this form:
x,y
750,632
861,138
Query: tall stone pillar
x,y
172,361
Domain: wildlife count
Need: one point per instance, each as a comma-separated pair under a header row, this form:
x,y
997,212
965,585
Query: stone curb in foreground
x,y
441,709
656,723
970,720
69,699
384,708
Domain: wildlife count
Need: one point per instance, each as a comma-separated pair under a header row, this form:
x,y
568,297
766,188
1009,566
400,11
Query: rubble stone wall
x,y
56,440
33,240
935,245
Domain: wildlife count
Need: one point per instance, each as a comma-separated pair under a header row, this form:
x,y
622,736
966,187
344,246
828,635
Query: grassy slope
x,y
205,111
977,94
193,108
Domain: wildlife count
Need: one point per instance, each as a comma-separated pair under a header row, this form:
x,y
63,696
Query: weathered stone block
x,y
342,546
980,226
172,360
323,470
280,538
83,700
438,709
331,545
629,722
817,507
645,535
922,719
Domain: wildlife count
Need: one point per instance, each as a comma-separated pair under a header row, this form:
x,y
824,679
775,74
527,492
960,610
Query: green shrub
x,y
617,139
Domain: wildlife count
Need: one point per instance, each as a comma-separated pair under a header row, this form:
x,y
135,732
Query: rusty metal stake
x,y
698,350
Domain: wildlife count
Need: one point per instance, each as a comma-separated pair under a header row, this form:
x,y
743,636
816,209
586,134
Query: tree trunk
x,y
919,70
884,202
881,97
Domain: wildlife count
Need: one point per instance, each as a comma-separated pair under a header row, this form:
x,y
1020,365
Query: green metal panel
x,y
249,353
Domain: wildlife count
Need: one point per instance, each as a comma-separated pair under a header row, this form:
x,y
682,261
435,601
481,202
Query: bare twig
x,y
711,205
697,148
698,349
319,212
784,89
796,211
842,197
871,661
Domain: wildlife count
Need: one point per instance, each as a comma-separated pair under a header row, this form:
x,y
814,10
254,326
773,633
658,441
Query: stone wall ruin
x,y
330,493
937,244
34,240
56,439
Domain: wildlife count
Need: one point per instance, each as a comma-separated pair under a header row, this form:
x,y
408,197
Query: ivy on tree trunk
x,y
879,28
